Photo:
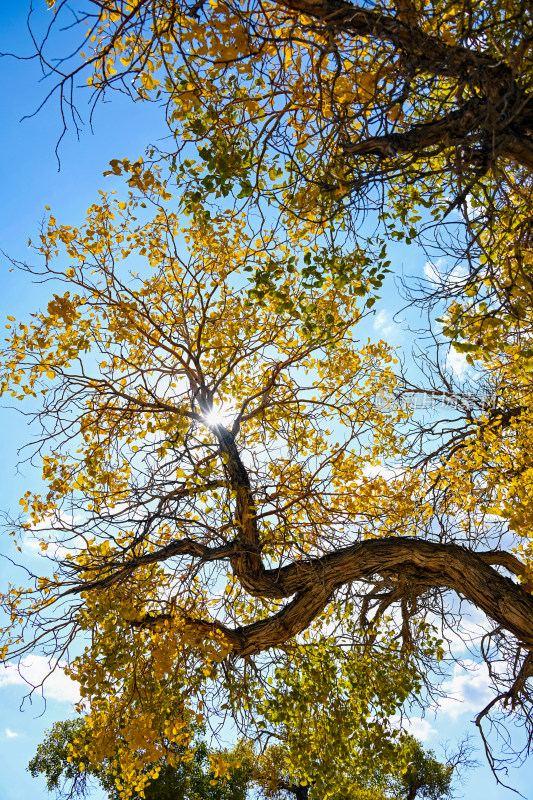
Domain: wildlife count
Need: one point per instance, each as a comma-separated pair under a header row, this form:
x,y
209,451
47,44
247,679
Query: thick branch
x,y
424,51
449,130
246,561
499,106
422,565
519,148
295,617
512,563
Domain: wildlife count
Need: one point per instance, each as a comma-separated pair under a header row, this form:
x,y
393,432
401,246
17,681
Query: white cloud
x,y
433,270
416,726
382,322
383,471
466,635
380,319
471,212
11,734
420,728
437,272
457,364
467,691
33,671
45,530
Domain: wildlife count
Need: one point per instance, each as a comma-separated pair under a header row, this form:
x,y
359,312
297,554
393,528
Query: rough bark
x,y
309,584
422,565
498,119
428,52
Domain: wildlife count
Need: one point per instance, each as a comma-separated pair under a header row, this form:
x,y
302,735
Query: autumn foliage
x,y
244,518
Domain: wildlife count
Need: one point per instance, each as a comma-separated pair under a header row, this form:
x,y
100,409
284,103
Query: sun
x,y
215,417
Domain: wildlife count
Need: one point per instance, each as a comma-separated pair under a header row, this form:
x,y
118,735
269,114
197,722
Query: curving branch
x,y
422,565
310,583
425,51
499,115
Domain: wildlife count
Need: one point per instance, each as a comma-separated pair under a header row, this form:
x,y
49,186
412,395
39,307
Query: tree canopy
x,y
184,404
417,113
222,528
250,773
245,517
190,778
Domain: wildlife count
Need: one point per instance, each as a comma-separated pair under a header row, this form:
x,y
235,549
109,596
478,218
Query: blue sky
x,y
30,180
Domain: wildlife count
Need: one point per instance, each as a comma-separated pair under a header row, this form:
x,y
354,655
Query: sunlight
x,y
215,417
220,415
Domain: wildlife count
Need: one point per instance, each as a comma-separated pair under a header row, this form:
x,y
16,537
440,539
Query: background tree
x,y
422,776
189,779
425,776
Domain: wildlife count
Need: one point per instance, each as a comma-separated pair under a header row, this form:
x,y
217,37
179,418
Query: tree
x,y
423,777
189,779
158,640
216,508
411,110
221,481
295,768
263,772
421,86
